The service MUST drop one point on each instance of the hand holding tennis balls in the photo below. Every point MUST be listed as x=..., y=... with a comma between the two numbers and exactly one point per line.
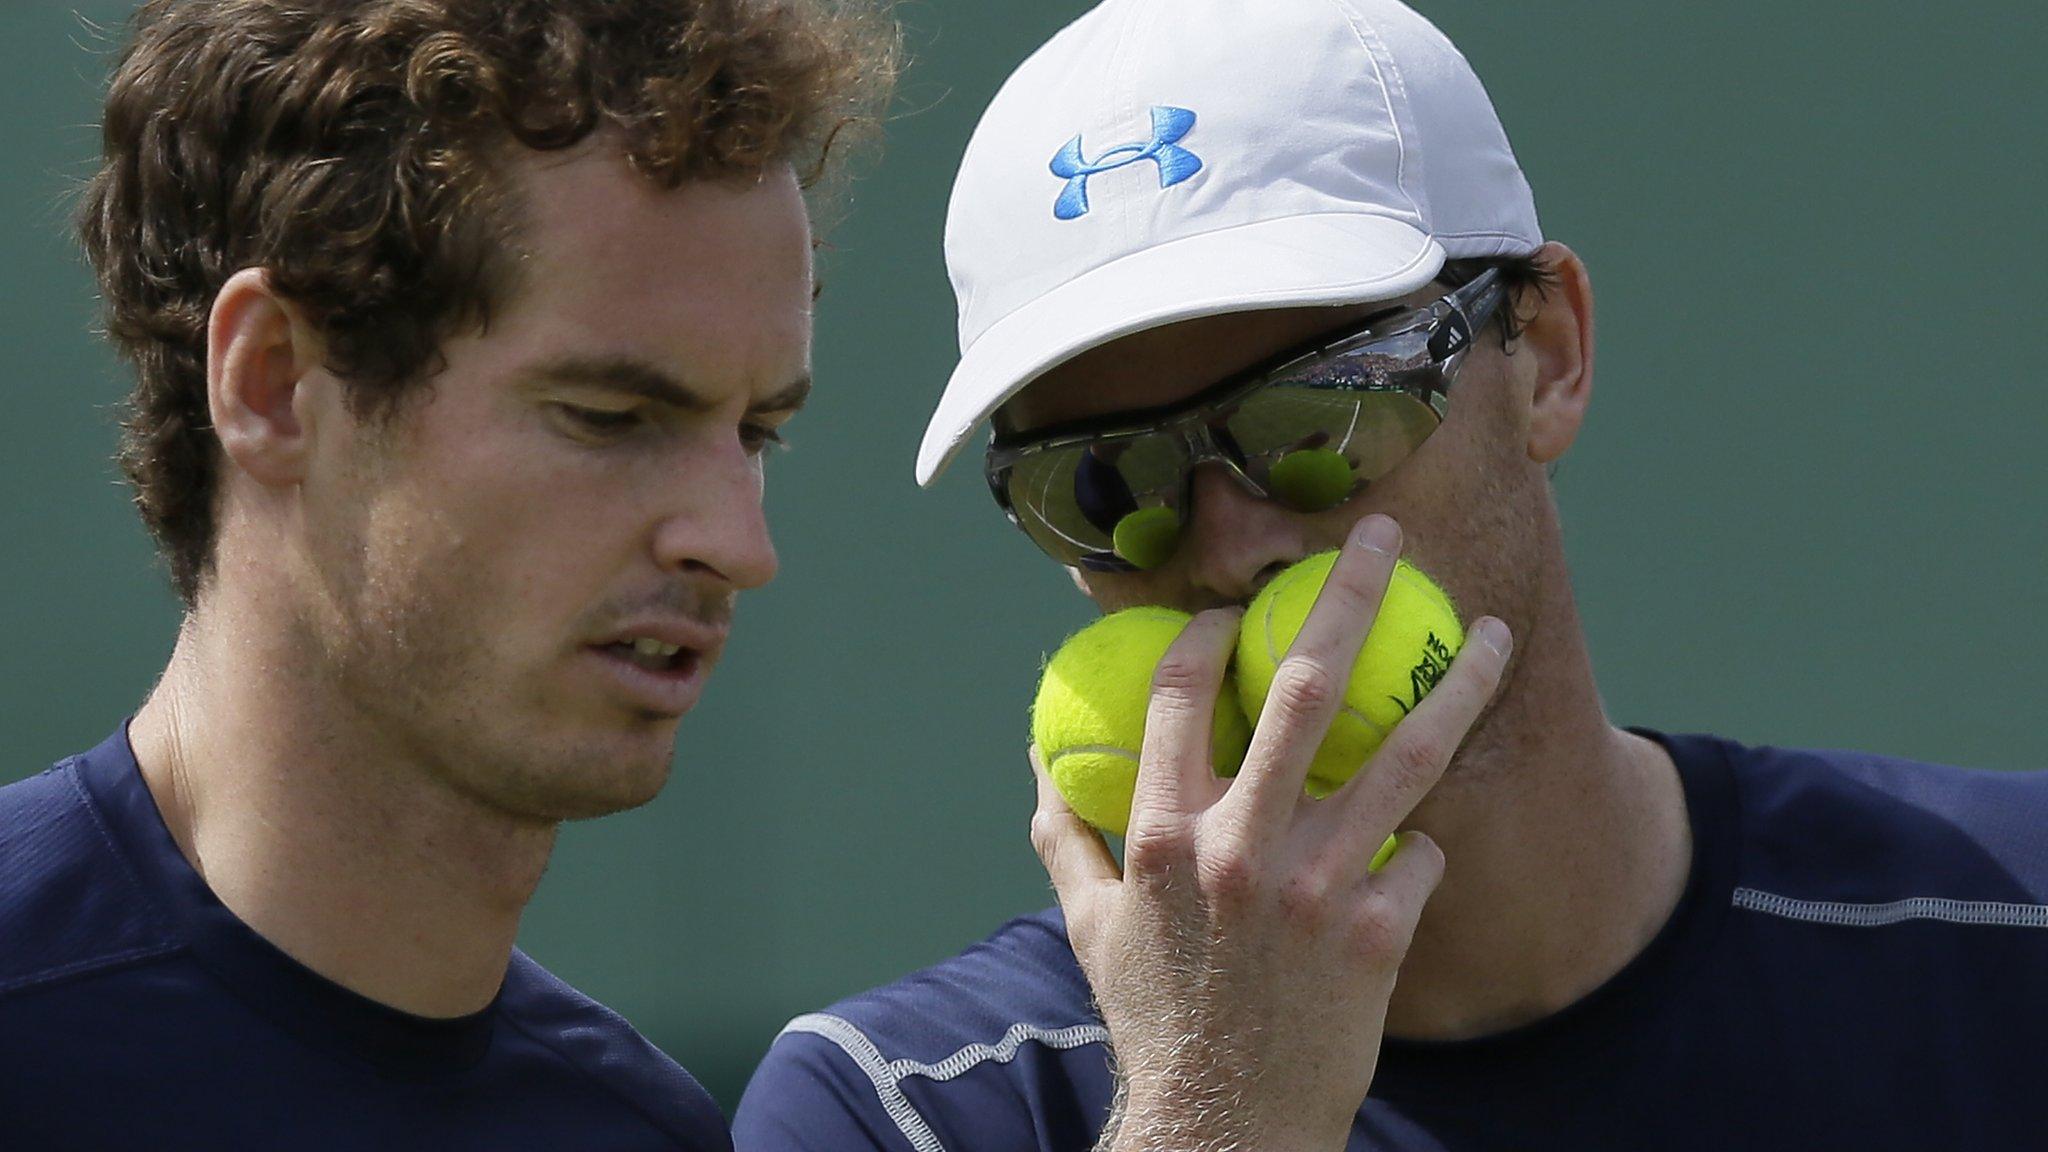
x=1089, y=719
x=1414, y=637
x=1245, y=927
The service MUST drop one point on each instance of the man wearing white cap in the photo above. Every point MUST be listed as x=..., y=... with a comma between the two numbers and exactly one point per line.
x=1190, y=240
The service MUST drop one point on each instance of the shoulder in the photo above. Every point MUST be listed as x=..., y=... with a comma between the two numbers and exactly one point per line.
x=599, y=1044
x=71, y=903
x=1856, y=826
x=1021, y=982
x=1001, y=1040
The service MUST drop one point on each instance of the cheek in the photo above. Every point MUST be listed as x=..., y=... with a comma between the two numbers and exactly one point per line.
x=1113, y=592
x=522, y=540
x=1479, y=507
x=1170, y=586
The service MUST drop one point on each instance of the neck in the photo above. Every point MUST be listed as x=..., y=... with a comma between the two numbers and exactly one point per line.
x=343, y=849
x=1566, y=846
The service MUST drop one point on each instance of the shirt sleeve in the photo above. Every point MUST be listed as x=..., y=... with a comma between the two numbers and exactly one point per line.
x=808, y=1095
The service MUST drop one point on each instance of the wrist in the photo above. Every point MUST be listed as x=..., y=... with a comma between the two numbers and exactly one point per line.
x=1227, y=1117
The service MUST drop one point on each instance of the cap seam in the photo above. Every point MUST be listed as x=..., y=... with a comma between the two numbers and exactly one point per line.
x=1124, y=100
x=1153, y=15
x=1478, y=233
x=1382, y=64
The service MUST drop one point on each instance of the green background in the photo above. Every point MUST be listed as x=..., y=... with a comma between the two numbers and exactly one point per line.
x=1807, y=508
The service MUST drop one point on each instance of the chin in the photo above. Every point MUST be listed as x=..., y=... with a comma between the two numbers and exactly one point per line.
x=633, y=778
x=585, y=778
x=592, y=805
x=620, y=789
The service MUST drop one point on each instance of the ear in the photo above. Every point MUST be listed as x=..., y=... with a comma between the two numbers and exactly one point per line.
x=1560, y=335
x=256, y=359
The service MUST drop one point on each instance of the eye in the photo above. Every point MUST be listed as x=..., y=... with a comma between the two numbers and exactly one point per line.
x=758, y=438
x=597, y=423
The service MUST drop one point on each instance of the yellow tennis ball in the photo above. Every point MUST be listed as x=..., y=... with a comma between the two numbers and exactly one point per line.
x=1089, y=718
x=1409, y=649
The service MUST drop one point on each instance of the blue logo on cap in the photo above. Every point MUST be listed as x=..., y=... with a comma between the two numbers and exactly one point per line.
x=1175, y=163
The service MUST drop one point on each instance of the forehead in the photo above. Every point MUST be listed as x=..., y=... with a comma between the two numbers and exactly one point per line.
x=1164, y=365
x=714, y=272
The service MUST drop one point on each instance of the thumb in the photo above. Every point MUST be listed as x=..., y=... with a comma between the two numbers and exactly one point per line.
x=1074, y=854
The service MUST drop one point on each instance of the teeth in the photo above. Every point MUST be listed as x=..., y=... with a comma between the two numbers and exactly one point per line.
x=648, y=646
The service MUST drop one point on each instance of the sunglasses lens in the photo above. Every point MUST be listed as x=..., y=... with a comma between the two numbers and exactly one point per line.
x=1108, y=505
x=1312, y=448
x=1115, y=504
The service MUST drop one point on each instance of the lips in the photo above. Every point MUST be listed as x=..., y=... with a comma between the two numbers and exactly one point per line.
x=659, y=666
x=655, y=638
x=665, y=691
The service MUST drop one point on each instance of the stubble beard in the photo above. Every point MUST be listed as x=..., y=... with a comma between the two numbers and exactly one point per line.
x=1510, y=530
x=412, y=667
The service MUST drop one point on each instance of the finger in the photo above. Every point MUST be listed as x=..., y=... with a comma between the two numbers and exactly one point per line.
x=1175, y=772
x=1380, y=797
x=1309, y=684
x=1073, y=853
x=1395, y=895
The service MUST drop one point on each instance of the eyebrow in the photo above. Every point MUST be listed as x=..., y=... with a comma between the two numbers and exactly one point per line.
x=639, y=378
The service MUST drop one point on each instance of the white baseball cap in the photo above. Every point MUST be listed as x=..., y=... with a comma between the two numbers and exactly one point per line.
x=1160, y=160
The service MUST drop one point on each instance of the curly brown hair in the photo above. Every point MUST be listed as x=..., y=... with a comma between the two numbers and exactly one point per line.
x=354, y=150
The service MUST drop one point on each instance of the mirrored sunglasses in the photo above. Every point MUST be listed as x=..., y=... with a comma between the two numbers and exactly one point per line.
x=1308, y=429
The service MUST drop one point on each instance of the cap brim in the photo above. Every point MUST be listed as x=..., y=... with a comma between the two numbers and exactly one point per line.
x=1326, y=259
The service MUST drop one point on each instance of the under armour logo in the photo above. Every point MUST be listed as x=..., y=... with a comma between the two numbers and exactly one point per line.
x=1175, y=163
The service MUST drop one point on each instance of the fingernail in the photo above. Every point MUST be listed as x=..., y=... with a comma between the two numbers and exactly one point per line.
x=1494, y=635
x=1377, y=533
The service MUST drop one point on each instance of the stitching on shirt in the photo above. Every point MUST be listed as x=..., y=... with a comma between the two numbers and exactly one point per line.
x=887, y=1076
x=68, y=768
x=73, y=776
x=868, y=1058
x=545, y=1040
x=96, y=966
x=130, y=870
x=1850, y=915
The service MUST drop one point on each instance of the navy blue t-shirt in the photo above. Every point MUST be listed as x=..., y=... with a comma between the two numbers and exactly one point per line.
x=137, y=1012
x=1859, y=961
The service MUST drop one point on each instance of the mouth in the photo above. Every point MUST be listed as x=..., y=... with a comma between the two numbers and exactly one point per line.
x=653, y=655
x=658, y=680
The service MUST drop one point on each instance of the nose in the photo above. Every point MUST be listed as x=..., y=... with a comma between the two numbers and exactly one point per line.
x=1234, y=540
x=716, y=526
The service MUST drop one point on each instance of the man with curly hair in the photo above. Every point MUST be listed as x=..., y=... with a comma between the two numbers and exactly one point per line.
x=460, y=329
